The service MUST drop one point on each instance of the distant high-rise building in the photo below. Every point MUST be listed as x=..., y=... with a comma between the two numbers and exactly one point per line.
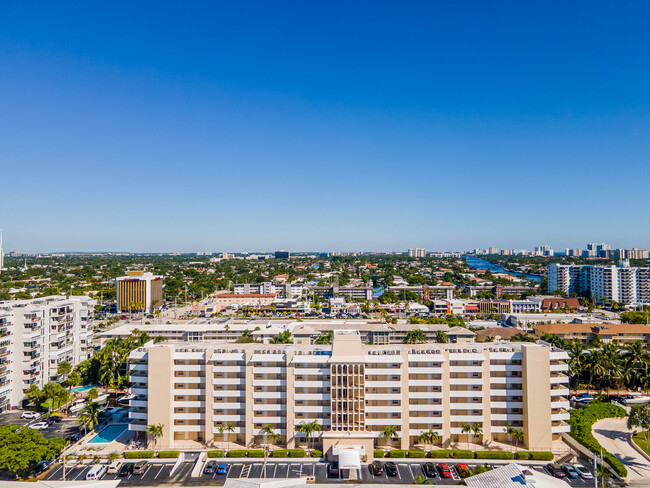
x=544, y=251
x=139, y=292
x=493, y=250
x=573, y=252
x=417, y=252
x=282, y=254
x=2, y=254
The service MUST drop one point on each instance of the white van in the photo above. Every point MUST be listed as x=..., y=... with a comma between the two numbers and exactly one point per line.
x=96, y=472
x=114, y=467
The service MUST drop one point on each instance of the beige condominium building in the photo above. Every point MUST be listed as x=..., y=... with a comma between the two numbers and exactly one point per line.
x=139, y=292
x=352, y=389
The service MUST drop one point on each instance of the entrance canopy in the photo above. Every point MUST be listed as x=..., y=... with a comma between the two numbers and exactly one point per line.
x=349, y=459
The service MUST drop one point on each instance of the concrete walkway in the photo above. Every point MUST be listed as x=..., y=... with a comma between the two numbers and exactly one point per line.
x=613, y=435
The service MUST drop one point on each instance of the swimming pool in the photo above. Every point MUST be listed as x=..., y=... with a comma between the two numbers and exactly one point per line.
x=108, y=434
x=82, y=388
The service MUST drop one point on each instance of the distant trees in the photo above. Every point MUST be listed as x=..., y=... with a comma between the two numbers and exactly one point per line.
x=22, y=449
x=416, y=336
x=639, y=416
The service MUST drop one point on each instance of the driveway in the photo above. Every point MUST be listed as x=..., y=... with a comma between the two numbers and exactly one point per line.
x=613, y=435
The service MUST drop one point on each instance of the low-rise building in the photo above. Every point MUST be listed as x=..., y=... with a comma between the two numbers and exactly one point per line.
x=586, y=333
x=249, y=300
x=351, y=389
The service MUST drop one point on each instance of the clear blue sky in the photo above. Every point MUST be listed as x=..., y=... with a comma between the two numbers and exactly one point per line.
x=224, y=126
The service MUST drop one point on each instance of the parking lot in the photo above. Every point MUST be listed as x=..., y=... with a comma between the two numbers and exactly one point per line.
x=63, y=429
x=158, y=473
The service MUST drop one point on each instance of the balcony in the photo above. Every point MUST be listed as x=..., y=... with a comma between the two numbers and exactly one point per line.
x=313, y=408
x=426, y=394
x=383, y=396
x=228, y=381
x=425, y=382
x=281, y=383
x=269, y=394
x=228, y=418
x=384, y=421
x=269, y=407
x=424, y=407
x=508, y=417
x=383, y=384
x=467, y=381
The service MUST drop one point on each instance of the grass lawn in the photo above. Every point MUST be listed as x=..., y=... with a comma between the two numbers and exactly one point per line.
x=642, y=443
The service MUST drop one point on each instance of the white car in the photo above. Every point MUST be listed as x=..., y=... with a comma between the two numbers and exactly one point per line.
x=39, y=426
x=27, y=414
x=583, y=472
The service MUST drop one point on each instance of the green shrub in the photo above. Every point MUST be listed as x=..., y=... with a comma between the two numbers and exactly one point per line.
x=280, y=453
x=417, y=454
x=315, y=453
x=255, y=453
x=215, y=454
x=378, y=453
x=397, y=453
x=451, y=453
x=296, y=453
x=169, y=454
x=138, y=454
x=535, y=456
x=480, y=469
x=581, y=421
x=494, y=455
x=237, y=453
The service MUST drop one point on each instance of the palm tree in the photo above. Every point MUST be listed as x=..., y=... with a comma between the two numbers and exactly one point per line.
x=416, y=336
x=224, y=430
x=477, y=429
x=52, y=391
x=155, y=431
x=63, y=369
x=73, y=379
x=518, y=434
x=389, y=432
x=308, y=428
x=429, y=437
x=604, y=474
x=89, y=416
x=268, y=431
x=441, y=337
x=467, y=429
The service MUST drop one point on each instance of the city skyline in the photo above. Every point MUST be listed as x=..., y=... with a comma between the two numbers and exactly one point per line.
x=202, y=128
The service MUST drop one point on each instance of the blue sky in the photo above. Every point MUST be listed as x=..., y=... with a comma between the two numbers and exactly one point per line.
x=207, y=126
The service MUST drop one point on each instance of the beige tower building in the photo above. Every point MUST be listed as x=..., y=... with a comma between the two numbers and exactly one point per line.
x=139, y=292
x=353, y=390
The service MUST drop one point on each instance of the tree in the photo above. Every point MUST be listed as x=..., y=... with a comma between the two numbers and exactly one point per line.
x=520, y=337
x=224, y=430
x=308, y=428
x=477, y=429
x=268, y=431
x=604, y=474
x=63, y=369
x=421, y=480
x=639, y=416
x=245, y=337
x=389, y=432
x=282, y=338
x=54, y=391
x=89, y=416
x=429, y=437
x=155, y=431
x=22, y=449
x=416, y=336
x=467, y=429
x=324, y=338
x=73, y=379
x=518, y=434
x=441, y=337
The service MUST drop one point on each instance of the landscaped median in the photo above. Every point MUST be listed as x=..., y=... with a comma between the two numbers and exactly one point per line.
x=259, y=453
x=582, y=421
x=464, y=454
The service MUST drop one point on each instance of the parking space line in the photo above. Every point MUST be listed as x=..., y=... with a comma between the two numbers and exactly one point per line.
x=275, y=468
x=411, y=468
x=159, y=471
x=228, y=472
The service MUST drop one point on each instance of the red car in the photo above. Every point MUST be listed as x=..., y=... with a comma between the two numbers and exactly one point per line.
x=463, y=470
x=445, y=472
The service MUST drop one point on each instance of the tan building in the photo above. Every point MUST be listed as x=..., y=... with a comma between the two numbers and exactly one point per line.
x=587, y=333
x=139, y=292
x=239, y=300
x=353, y=390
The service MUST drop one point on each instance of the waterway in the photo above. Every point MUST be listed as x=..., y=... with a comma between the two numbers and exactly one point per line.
x=477, y=263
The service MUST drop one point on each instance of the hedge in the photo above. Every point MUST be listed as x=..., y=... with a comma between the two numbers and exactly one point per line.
x=583, y=419
x=296, y=453
x=451, y=453
x=315, y=453
x=378, y=453
x=417, y=454
x=215, y=454
x=535, y=456
x=397, y=453
x=494, y=455
x=251, y=453
x=280, y=453
x=169, y=454
x=138, y=454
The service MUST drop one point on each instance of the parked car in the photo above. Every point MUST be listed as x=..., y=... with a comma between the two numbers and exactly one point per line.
x=570, y=471
x=555, y=470
x=73, y=438
x=55, y=418
x=222, y=468
x=463, y=470
x=209, y=467
x=333, y=469
x=376, y=468
x=429, y=470
x=140, y=468
x=444, y=470
x=126, y=469
x=114, y=467
x=40, y=426
x=584, y=473
x=96, y=472
x=28, y=414
x=391, y=468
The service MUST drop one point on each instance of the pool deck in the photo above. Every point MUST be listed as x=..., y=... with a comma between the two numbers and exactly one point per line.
x=105, y=448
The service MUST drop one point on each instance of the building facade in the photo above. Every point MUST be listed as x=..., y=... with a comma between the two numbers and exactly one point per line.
x=35, y=336
x=417, y=252
x=353, y=390
x=139, y=292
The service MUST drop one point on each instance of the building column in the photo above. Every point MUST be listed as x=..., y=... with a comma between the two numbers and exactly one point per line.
x=536, y=386
x=248, y=392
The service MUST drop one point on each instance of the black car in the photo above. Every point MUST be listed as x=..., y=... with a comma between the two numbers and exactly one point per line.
x=429, y=470
x=73, y=438
x=333, y=469
x=555, y=470
x=55, y=418
x=126, y=469
x=376, y=468
x=209, y=467
x=391, y=468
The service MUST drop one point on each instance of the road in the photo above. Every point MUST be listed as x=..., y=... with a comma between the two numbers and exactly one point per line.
x=613, y=435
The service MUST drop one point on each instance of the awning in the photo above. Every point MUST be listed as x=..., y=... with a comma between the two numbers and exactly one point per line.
x=349, y=459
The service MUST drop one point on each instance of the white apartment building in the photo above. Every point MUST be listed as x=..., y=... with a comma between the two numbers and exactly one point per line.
x=620, y=283
x=353, y=390
x=417, y=252
x=35, y=336
x=288, y=290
